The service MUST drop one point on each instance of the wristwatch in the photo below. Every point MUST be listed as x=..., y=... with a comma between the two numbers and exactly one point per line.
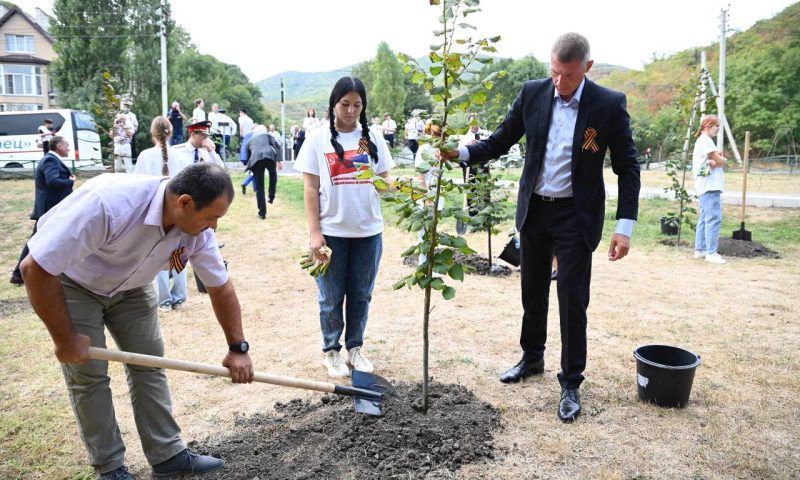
x=240, y=347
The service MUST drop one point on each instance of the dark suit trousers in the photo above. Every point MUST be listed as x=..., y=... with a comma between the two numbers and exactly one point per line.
x=258, y=181
x=552, y=227
x=24, y=251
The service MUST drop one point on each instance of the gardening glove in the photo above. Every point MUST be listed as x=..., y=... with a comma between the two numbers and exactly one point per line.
x=315, y=266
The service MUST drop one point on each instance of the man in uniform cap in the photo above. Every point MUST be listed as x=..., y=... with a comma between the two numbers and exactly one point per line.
x=198, y=147
x=131, y=121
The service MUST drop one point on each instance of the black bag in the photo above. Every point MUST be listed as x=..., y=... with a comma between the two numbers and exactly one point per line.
x=510, y=253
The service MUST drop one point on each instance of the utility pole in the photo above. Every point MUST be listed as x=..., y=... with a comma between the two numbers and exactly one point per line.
x=723, y=34
x=163, y=35
x=283, y=120
x=703, y=84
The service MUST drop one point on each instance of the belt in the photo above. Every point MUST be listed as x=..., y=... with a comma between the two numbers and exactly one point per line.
x=547, y=199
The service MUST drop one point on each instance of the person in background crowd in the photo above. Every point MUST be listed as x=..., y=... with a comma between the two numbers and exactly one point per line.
x=199, y=148
x=709, y=182
x=245, y=123
x=469, y=173
x=262, y=154
x=133, y=124
x=228, y=129
x=344, y=213
x=299, y=138
x=122, y=134
x=311, y=122
x=389, y=126
x=243, y=158
x=176, y=119
x=161, y=161
x=413, y=128
x=53, y=181
x=198, y=114
x=45, y=134
x=119, y=231
x=376, y=127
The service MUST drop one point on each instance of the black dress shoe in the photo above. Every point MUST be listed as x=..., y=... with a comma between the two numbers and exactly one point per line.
x=16, y=279
x=523, y=369
x=570, y=406
x=262, y=216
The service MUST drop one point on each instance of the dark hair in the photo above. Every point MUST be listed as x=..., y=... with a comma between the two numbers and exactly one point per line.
x=198, y=101
x=47, y=120
x=204, y=182
x=56, y=140
x=342, y=87
x=243, y=110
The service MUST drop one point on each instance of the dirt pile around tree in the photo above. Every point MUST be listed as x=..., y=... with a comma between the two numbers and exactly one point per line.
x=478, y=265
x=327, y=439
x=729, y=247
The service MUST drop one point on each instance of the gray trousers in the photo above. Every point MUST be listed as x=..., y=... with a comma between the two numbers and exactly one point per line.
x=132, y=320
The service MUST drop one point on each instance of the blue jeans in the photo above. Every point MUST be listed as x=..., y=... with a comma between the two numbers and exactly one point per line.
x=709, y=222
x=177, y=137
x=248, y=179
x=177, y=294
x=351, y=278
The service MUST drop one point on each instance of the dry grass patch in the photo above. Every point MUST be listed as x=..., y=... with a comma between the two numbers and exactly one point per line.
x=741, y=422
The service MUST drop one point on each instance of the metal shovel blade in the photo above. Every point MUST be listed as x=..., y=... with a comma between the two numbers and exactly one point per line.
x=743, y=234
x=369, y=404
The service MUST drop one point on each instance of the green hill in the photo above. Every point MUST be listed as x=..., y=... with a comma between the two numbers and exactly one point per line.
x=762, y=82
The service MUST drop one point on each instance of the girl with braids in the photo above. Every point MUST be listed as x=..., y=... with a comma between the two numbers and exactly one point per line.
x=162, y=160
x=344, y=213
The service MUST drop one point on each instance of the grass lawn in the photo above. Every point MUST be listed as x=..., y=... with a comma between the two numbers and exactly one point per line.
x=742, y=318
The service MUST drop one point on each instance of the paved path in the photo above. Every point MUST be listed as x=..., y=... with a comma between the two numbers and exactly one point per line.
x=767, y=200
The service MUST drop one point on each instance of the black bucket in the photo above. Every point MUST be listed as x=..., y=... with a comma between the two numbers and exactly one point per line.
x=664, y=374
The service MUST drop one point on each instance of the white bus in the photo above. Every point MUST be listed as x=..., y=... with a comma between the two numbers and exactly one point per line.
x=19, y=132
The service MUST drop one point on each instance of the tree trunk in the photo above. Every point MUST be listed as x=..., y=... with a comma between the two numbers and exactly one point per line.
x=489, y=239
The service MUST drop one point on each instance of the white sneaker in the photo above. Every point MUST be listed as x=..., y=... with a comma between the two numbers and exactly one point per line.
x=699, y=254
x=356, y=360
x=715, y=259
x=334, y=362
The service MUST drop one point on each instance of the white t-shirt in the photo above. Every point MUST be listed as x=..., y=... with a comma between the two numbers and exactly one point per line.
x=348, y=207
x=47, y=134
x=150, y=161
x=310, y=124
x=413, y=129
x=245, y=125
x=389, y=126
x=715, y=179
x=198, y=115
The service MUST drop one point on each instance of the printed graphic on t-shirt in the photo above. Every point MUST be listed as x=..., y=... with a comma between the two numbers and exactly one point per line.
x=346, y=172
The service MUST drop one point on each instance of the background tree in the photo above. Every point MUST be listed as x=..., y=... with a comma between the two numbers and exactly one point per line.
x=388, y=84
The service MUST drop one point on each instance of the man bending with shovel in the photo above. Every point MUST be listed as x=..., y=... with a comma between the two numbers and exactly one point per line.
x=91, y=266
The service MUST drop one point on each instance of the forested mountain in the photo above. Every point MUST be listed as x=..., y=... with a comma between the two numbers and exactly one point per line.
x=762, y=85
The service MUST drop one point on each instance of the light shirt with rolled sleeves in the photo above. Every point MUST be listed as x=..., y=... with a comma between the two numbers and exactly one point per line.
x=555, y=179
x=108, y=237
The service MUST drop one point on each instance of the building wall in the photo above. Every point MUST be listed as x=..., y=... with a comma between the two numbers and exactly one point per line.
x=43, y=50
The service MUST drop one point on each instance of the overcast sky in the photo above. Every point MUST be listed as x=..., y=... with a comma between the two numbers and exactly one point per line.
x=265, y=38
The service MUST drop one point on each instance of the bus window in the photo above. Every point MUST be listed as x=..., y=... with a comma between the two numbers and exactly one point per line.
x=27, y=124
x=84, y=121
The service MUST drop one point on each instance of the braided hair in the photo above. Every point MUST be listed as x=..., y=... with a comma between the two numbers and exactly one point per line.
x=161, y=130
x=342, y=87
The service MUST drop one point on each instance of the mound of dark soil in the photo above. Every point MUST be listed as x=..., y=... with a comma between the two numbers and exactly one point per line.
x=327, y=439
x=729, y=247
x=477, y=265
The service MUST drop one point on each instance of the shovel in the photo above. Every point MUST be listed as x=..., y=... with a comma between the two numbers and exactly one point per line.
x=368, y=390
x=743, y=234
x=461, y=225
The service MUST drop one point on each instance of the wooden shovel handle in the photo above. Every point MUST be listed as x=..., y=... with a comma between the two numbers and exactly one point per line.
x=195, y=367
x=746, y=168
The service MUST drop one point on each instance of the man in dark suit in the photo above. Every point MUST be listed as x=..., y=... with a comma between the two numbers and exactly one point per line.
x=53, y=182
x=569, y=123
